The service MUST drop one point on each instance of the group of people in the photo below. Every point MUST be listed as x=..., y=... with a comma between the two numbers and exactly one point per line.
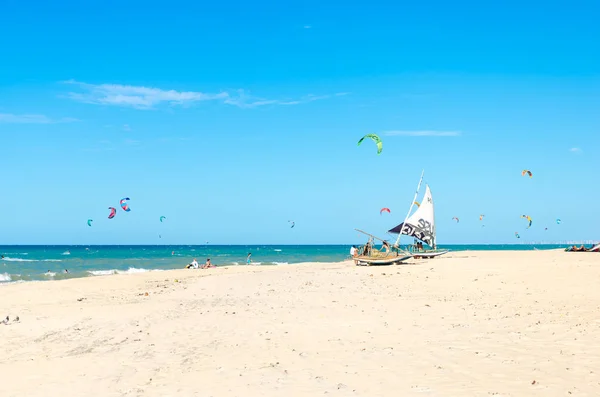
x=418, y=246
x=385, y=246
x=582, y=248
x=195, y=265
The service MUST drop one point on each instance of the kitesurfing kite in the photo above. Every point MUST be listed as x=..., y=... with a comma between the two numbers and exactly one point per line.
x=375, y=139
x=113, y=212
x=293, y=224
x=124, y=204
x=558, y=221
x=455, y=218
x=526, y=172
x=481, y=217
x=163, y=218
x=517, y=235
x=528, y=219
x=384, y=209
x=89, y=222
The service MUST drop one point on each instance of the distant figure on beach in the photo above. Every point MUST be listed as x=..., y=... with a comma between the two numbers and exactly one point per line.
x=207, y=264
x=172, y=252
x=2, y=257
x=353, y=251
x=66, y=271
x=193, y=265
x=248, y=258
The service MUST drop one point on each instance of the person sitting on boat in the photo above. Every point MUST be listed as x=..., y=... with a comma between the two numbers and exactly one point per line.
x=385, y=246
x=367, y=249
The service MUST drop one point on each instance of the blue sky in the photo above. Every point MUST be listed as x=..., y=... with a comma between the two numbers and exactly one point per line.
x=231, y=119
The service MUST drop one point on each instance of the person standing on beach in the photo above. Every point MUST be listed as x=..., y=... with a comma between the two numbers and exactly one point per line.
x=353, y=251
x=248, y=259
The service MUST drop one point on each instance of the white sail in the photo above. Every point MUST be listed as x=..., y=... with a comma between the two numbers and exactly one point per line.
x=421, y=224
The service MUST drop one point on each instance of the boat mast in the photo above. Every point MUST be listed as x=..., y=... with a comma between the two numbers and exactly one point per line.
x=411, y=207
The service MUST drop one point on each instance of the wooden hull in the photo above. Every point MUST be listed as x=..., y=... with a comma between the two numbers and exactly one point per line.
x=429, y=254
x=371, y=261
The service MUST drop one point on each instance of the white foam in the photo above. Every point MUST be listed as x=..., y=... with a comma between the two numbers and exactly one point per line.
x=277, y=250
x=102, y=272
x=17, y=260
x=5, y=277
x=280, y=263
x=29, y=260
x=50, y=274
x=131, y=270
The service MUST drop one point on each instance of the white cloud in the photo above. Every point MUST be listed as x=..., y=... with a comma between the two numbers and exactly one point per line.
x=132, y=142
x=31, y=119
x=307, y=26
x=575, y=150
x=245, y=100
x=422, y=133
x=138, y=97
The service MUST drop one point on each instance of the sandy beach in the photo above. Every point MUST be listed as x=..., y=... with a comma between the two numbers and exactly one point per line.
x=467, y=324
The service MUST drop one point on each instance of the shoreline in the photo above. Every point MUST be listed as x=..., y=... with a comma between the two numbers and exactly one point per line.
x=9, y=278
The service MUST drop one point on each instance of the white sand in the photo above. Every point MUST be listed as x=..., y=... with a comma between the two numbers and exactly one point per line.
x=468, y=324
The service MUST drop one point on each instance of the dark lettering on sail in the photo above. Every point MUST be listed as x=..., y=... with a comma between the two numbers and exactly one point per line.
x=422, y=231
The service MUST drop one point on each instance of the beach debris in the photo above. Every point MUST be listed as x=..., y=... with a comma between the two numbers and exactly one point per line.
x=17, y=319
x=384, y=209
x=113, y=212
x=80, y=299
x=6, y=320
x=124, y=205
x=534, y=382
x=375, y=139
x=526, y=172
x=89, y=222
x=146, y=294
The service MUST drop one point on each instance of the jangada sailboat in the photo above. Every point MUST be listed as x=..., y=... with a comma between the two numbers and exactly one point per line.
x=421, y=226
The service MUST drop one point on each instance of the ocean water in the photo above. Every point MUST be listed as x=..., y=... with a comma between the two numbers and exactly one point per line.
x=31, y=263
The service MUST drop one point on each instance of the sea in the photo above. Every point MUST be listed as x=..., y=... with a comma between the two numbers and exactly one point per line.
x=22, y=263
